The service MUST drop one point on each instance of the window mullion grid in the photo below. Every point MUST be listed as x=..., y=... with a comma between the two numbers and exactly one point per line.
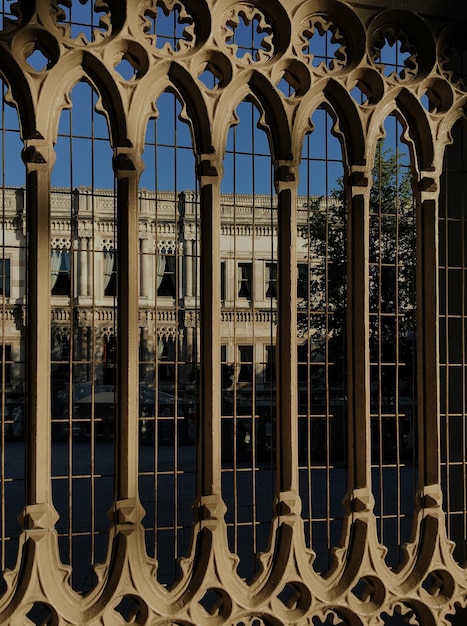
x=157, y=338
x=3, y=404
x=252, y=341
x=177, y=312
x=92, y=98
x=308, y=378
x=380, y=355
x=327, y=313
x=3, y=426
x=464, y=444
x=70, y=387
x=236, y=358
x=396, y=365
x=445, y=409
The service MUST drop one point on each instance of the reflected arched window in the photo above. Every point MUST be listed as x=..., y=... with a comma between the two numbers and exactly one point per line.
x=321, y=341
x=249, y=252
x=393, y=332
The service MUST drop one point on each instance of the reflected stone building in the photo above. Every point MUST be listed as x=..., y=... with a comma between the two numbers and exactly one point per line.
x=84, y=293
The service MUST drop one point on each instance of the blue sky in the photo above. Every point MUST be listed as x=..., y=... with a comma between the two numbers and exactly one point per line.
x=84, y=156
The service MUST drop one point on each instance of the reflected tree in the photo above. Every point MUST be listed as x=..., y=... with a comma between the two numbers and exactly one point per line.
x=323, y=288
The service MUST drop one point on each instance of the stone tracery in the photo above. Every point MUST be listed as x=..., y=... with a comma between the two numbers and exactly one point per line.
x=385, y=592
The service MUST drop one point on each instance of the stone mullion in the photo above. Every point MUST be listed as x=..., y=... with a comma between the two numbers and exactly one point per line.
x=287, y=386
x=210, y=529
x=39, y=576
x=427, y=348
x=358, y=331
x=127, y=545
x=210, y=344
x=290, y=553
x=127, y=332
x=38, y=478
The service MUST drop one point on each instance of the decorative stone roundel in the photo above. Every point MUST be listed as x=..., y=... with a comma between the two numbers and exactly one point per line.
x=323, y=44
x=248, y=35
x=171, y=27
x=97, y=19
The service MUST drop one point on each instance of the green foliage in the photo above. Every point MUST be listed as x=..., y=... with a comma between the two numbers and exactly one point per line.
x=322, y=307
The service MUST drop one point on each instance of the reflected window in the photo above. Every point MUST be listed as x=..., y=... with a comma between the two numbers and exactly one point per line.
x=5, y=278
x=270, y=369
x=166, y=354
x=110, y=360
x=110, y=273
x=245, y=283
x=245, y=355
x=60, y=272
x=222, y=280
x=271, y=280
x=166, y=275
x=302, y=281
x=5, y=370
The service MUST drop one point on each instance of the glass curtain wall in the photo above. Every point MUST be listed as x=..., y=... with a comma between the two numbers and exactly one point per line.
x=393, y=337
x=13, y=320
x=453, y=338
x=248, y=330
x=83, y=334
x=321, y=341
x=169, y=328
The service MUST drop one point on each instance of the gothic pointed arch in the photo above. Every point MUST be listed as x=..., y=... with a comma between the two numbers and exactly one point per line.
x=418, y=128
x=343, y=111
x=275, y=115
x=20, y=93
x=349, y=121
x=65, y=75
x=197, y=111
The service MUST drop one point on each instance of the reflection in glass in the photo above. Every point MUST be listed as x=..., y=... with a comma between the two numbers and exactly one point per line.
x=83, y=337
x=393, y=341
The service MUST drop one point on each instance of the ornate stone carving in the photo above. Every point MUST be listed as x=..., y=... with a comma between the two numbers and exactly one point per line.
x=360, y=88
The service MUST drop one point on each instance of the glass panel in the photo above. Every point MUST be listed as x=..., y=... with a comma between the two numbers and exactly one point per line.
x=13, y=322
x=169, y=337
x=393, y=341
x=452, y=337
x=321, y=341
x=82, y=18
x=83, y=350
x=248, y=250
